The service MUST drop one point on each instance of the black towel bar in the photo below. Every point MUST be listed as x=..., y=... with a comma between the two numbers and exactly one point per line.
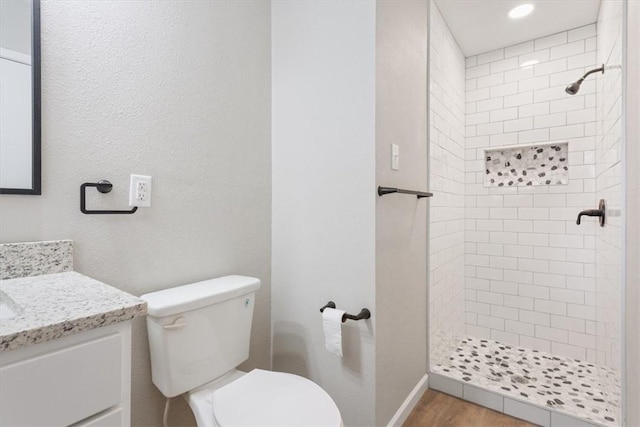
x=388, y=190
x=364, y=313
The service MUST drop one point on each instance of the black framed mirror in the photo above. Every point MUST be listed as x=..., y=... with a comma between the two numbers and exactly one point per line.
x=20, y=124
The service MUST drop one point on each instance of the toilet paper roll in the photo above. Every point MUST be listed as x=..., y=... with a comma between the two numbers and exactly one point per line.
x=332, y=324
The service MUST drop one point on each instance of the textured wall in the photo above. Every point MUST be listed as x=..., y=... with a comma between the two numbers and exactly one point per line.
x=447, y=181
x=323, y=136
x=401, y=221
x=530, y=268
x=177, y=90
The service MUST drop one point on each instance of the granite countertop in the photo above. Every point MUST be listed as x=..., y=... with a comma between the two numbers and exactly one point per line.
x=52, y=306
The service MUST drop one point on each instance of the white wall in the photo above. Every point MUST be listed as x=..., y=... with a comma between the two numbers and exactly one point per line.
x=530, y=268
x=176, y=90
x=323, y=57
x=632, y=225
x=447, y=181
x=349, y=79
x=401, y=220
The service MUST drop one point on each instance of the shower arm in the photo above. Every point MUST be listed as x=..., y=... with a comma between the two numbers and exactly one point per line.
x=595, y=70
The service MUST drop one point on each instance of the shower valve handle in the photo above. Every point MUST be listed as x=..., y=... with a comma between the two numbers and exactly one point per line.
x=600, y=212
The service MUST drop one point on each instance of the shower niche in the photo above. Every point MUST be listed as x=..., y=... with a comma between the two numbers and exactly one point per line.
x=516, y=166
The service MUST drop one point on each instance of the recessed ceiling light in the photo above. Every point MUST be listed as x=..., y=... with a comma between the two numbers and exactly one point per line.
x=520, y=11
x=528, y=64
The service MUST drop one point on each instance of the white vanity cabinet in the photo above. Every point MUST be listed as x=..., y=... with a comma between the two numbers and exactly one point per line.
x=65, y=341
x=81, y=380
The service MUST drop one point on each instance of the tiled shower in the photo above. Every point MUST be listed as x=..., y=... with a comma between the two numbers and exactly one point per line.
x=518, y=290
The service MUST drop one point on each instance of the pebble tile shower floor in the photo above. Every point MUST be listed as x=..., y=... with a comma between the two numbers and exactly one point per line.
x=567, y=385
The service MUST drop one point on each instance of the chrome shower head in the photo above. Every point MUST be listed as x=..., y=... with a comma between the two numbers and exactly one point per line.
x=574, y=87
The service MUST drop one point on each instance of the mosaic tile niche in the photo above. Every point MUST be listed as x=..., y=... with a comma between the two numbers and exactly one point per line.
x=527, y=165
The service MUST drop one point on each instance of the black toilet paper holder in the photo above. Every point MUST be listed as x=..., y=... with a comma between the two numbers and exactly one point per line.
x=364, y=313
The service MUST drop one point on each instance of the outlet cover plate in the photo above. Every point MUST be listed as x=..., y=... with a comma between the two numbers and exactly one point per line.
x=140, y=191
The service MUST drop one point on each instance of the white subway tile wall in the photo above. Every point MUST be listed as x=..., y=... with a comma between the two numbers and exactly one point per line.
x=609, y=173
x=530, y=267
x=510, y=264
x=447, y=181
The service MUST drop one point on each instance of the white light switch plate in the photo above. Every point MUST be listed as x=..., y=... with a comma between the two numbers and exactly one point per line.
x=395, y=157
x=140, y=191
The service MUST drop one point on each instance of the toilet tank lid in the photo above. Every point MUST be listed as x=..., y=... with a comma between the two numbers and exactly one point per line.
x=197, y=295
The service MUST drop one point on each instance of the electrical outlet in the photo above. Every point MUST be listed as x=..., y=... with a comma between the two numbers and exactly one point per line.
x=140, y=191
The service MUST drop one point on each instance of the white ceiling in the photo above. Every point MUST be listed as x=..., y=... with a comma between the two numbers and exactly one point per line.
x=483, y=25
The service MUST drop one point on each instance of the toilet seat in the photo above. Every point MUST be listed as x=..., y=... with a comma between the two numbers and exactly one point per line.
x=265, y=398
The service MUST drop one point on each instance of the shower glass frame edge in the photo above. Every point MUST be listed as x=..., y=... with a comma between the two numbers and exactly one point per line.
x=428, y=199
x=623, y=231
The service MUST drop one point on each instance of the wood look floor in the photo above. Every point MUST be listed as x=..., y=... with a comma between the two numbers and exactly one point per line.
x=441, y=410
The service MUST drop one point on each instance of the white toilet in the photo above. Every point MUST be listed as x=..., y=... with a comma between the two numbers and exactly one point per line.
x=199, y=334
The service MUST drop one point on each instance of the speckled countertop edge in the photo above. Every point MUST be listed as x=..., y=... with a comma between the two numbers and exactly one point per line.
x=52, y=306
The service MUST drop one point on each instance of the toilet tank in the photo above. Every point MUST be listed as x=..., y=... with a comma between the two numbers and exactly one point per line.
x=199, y=332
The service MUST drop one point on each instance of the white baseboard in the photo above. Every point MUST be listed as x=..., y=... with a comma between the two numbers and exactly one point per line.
x=409, y=403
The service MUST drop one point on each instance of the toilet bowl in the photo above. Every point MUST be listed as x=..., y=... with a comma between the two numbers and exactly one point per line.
x=264, y=398
x=199, y=334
